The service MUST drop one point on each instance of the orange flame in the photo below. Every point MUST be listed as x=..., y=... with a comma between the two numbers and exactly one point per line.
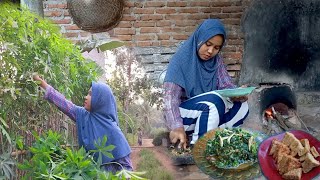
x=268, y=113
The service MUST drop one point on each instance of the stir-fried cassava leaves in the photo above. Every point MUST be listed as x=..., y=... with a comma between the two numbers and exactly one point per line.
x=231, y=147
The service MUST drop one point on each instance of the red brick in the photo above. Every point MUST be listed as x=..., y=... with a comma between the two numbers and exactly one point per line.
x=220, y=4
x=71, y=27
x=128, y=18
x=184, y=23
x=175, y=17
x=127, y=10
x=168, y=43
x=149, y=30
x=228, y=61
x=197, y=16
x=151, y=17
x=144, y=43
x=200, y=3
x=52, y=13
x=163, y=23
x=233, y=55
x=191, y=28
x=62, y=21
x=143, y=11
x=165, y=11
x=219, y=16
x=129, y=4
x=129, y=43
x=125, y=31
x=235, y=15
x=59, y=6
x=176, y=4
x=156, y=43
x=233, y=35
x=154, y=4
x=235, y=42
x=233, y=9
x=138, y=4
x=180, y=36
x=173, y=29
x=124, y=24
x=189, y=10
x=235, y=67
x=138, y=24
x=210, y=10
x=230, y=49
x=69, y=34
x=144, y=37
x=124, y=37
x=163, y=36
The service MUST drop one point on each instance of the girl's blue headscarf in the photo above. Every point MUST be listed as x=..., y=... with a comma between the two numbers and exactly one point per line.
x=101, y=121
x=186, y=68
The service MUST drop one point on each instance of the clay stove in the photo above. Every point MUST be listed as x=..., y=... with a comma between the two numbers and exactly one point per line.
x=282, y=57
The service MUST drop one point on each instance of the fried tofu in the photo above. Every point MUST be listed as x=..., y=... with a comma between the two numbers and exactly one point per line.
x=278, y=148
x=287, y=139
x=287, y=163
x=309, y=163
x=274, y=146
x=306, y=146
x=294, y=174
x=314, y=152
x=293, y=156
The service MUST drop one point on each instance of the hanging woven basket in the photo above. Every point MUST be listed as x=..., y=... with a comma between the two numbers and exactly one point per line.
x=96, y=15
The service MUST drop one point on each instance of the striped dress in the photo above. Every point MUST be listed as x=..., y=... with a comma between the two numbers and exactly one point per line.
x=203, y=112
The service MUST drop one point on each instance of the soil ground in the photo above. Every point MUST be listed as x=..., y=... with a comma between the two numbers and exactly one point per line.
x=188, y=172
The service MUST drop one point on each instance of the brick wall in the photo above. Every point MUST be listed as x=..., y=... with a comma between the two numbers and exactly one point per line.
x=155, y=28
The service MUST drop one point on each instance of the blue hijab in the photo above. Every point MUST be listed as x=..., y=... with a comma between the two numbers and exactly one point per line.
x=187, y=70
x=100, y=121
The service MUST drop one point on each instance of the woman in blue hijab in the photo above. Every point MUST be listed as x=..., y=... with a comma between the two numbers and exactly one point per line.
x=191, y=105
x=96, y=119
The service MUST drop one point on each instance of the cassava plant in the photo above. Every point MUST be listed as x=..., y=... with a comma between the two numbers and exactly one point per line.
x=51, y=160
x=30, y=44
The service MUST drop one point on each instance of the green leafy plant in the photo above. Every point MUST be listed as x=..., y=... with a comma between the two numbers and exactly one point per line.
x=6, y=166
x=50, y=160
x=30, y=44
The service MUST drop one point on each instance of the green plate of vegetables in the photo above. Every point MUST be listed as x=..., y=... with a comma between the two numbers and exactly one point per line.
x=229, y=153
x=236, y=92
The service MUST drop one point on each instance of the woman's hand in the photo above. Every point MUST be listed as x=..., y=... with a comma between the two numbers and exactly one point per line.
x=239, y=99
x=43, y=83
x=179, y=134
x=36, y=77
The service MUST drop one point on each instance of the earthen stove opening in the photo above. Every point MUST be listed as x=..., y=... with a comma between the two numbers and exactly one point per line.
x=281, y=57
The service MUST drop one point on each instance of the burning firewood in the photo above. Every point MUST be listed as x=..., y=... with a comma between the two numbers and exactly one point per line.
x=280, y=120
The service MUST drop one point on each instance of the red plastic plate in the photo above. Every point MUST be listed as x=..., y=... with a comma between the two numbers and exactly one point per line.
x=267, y=163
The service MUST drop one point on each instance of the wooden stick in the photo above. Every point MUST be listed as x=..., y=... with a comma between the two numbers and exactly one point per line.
x=296, y=114
x=279, y=119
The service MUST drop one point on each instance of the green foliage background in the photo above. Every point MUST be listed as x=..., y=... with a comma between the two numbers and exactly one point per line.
x=31, y=44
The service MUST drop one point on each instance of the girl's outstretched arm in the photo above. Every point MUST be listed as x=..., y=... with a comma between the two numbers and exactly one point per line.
x=55, y=97
x=43, y=83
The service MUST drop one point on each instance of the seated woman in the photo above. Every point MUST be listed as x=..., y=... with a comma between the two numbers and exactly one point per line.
x=196, y=70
